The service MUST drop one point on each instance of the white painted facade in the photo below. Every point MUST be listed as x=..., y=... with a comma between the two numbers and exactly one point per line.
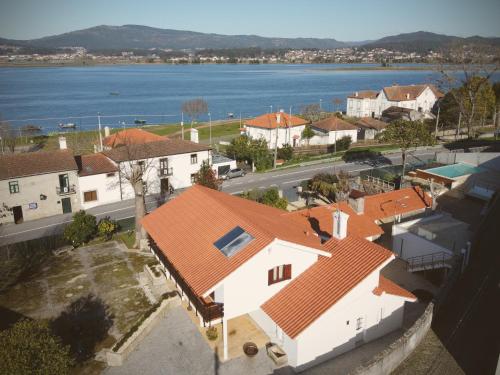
x=106, y=186
x=329, y=138
x=291, y=136
x=361, y=107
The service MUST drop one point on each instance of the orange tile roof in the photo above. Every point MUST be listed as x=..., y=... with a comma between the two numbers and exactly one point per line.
x=131, y=136
x=387, y=286
x=320, y=220
x=385, y=205
x=334, y=123
x=411, y=92
x=186, y=227
x=269, y=121
x=368, y=94
x=322, y=285
x=371, y=123
x=93, y=164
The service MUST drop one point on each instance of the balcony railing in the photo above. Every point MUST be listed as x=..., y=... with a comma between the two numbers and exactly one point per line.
x=66, y=190
x=165, y=172
x=208, y=309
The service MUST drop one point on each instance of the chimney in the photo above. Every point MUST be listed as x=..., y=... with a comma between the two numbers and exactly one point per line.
x=340, y=224
x=357, y=201
x=106, y=131
x=356, y=94
x=194, y=135
x=62, y=143
x=407, y=96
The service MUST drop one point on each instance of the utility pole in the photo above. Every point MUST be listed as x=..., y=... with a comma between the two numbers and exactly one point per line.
x=271, y=108
x=182, y=125
x=437, y=122
x=458, y=125
x=210, y=126
x=100, y=135
x=278, y=122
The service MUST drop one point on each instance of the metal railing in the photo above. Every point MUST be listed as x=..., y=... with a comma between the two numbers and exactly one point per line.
x=386, y=185
x=428, y=261
x=65, y=190
x=164, y=172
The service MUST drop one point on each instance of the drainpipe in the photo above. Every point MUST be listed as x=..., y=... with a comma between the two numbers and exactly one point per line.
x=224, y=335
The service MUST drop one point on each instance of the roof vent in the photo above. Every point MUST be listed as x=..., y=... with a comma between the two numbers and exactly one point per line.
x=62, y=143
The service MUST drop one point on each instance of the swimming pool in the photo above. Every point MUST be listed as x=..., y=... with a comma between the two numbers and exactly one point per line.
x=454, y=170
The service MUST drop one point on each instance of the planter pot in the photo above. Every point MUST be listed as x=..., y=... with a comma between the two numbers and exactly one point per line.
x=250, y=349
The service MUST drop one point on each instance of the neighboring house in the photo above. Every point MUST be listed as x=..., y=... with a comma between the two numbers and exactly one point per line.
x=330, y=130
x=279, y=126
x=315, y=297
x=222, y=164
x=369, y=127
x=420, y=98
x=167, y=163
x=394, y=113
x=128, y=137
x=98, y=180
x=34, y=185
x=362, y=104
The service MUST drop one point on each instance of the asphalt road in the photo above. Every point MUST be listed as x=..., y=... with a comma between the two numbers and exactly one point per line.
x=282, y=179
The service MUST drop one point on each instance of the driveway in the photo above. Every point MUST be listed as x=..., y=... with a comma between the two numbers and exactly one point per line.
x=176, y=347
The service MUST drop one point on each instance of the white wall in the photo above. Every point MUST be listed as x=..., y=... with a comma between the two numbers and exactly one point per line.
x=330, y=137
x=246, y=289
x=285, y=135
x=108, y=189
x=215, y=167
x=358, y=107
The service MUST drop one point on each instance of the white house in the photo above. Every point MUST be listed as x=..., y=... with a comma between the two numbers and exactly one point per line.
x=222, y=164
x=315, y=299
x=277, y=127
x=329, y=130
x=420, y=98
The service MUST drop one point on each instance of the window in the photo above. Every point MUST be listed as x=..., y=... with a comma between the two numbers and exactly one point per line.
x=233, y=241
x=359, y=324
x=112, y=174
x=193, y=178
x=90, y=196
x=280, y=273
x=14, y=187
x=194, y=158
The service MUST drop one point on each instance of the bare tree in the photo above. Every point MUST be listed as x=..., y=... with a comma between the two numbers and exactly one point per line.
x=311, y=112
x=336, y=103
x=194, y=108
x=8, y=135
x=467, y=85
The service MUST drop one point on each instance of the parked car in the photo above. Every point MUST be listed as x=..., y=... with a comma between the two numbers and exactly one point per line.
x=237, y=172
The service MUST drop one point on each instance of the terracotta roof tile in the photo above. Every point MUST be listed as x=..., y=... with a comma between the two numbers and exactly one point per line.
x=269, y=121
x=387, y=286
x=322, y=285
x=411, y=92
x=368, y=94
x=371, y=123
x=385, y=205
x=93, y=164
x=154, y=149
x=35, y=163
x=186, y=228
x=333, y=123
x=131, y=136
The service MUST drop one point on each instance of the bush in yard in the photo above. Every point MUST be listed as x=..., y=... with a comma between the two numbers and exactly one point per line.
x=212, y=333
x=81, y=230
x=344, y=143
x=107, y=228
x=272, y=198
x=285, y=152
x=30, y=348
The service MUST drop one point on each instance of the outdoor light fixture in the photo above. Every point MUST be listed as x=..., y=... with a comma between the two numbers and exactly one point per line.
x=43, y=197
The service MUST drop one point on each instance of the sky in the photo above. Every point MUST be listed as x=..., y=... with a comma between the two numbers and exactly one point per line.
x=343, y=20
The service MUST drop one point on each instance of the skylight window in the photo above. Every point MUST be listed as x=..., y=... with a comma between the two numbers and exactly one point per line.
x=233, y=241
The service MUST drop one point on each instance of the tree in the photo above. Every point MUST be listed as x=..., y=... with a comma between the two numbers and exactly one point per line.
x=8, y=135
x=285, y=152
x=324, y=186
x=194, y=108
x=311, y=112
x=272, y=198
x=81, y=230
x=307, y=133
x=337, y=102
x=82, y=325
x=343, y=143
x=254, y=151
x=30, y=348
x=206, y=177
x=406, y=135
x=107, y=227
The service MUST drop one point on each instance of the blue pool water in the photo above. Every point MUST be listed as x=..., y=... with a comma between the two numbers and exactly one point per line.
x=454, y=170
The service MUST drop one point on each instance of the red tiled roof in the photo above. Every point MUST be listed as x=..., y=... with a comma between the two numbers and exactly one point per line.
x=387, y=286
x=186, y=227
x=131, y=136
x=411, y=92
x=368, y=94
x=93, y=164
x=35, y=163
x=396, y=202
x=334, y=123
x=322, y=285
x=320, y=220
x=269, y=121
x=371, y=123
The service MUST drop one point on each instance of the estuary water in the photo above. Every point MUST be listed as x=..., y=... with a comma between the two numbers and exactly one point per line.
x=47, y=96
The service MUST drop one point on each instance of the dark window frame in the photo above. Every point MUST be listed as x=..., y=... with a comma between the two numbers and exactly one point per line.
x=194, y=158
x=14, y=187
x=93, y=196
x=273, y=275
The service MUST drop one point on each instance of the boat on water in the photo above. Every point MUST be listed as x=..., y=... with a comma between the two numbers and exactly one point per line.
x=114, y=93
x=68, y=125
x=230, y=115
x=140, y=122
x=31, y=128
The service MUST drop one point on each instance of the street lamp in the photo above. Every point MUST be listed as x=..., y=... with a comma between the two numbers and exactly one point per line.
x=320, y=101
x=271, y=108
x=210, y=126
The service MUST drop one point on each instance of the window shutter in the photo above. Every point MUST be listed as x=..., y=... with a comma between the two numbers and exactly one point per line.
x=287, y=272
x=270, y=278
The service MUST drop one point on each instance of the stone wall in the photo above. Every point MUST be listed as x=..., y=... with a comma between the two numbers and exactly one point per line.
x=390, y=358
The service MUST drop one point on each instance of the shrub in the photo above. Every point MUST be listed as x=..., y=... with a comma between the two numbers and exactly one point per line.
x=107, y=228
x=344, y=143
x=354, y=155
x=272, y=198
x=212, y=333
x=285, y=152
x=81, y=230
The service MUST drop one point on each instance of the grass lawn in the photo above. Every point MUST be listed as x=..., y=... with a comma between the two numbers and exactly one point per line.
x=128, y=238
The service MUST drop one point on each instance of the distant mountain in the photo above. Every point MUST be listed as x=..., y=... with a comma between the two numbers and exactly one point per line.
x=144, y=37
x=423, y=41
